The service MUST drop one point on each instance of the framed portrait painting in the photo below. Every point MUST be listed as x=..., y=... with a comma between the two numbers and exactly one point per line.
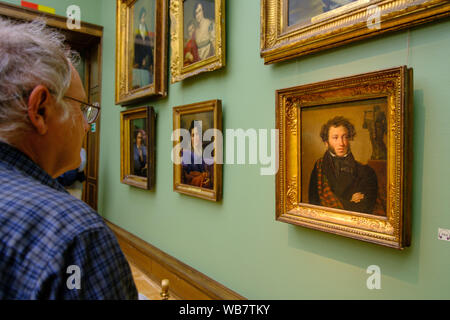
x=292, y=28
x=141, y=50
x=197, y=152
x=137, y=147
x=197, y=37
x=345, y=156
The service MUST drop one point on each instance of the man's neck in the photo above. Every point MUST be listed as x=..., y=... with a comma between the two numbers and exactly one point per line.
x=38, y=154
x=336, y=156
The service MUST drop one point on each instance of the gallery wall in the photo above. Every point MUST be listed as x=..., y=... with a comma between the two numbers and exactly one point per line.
x=237, y=241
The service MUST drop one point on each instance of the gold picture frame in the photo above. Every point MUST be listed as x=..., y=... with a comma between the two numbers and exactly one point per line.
x=199, y=176
x=141, y=50
x=290, y=29
x=305, y=193
x=137, y=147
x=204, y=49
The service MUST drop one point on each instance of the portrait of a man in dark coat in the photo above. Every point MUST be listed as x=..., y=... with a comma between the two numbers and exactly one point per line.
x=338, y=180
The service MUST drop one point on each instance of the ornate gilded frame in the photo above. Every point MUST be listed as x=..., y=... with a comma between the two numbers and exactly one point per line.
x=355, y=21
x=178, y=70
x=214, y=194
x=126, y=176
x=395, y=85
x=124, y=93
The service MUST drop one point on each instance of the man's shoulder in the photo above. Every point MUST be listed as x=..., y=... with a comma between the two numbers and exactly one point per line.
x=318, y=162
x=35, y=210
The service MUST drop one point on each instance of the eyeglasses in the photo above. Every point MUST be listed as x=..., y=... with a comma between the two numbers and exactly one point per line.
x=90, y=111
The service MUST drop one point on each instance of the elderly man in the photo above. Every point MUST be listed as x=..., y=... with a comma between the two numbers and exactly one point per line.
x=338, y=180
x=52, y=245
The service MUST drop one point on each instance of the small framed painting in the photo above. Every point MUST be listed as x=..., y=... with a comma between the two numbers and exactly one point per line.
x=197, y=37
x=137, y=147
x=141, y=50
x=197, y=152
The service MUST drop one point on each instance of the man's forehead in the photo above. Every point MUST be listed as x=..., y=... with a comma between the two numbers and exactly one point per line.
x=76, y=86
x=339, y=128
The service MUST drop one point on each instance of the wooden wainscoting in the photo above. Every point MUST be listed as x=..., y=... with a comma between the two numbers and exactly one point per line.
x=185, y=282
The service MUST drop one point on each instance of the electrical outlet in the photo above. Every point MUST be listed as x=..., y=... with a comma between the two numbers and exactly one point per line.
x=444, y=234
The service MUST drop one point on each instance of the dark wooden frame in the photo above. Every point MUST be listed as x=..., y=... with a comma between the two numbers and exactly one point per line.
x=124, y=94
x=395, y=85
x=125, y=146
x=207, y=106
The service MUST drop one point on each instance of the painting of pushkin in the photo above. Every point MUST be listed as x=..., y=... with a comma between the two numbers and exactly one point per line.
x=338, y=180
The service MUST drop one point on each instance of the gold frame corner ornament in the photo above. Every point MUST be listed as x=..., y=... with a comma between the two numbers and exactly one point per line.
x=354, y=21
x=392, y=230
x=180, y=72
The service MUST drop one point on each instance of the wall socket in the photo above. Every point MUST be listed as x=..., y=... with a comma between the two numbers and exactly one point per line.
x=444, y=234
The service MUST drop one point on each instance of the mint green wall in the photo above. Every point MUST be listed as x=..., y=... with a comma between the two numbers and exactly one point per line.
x=237, y=241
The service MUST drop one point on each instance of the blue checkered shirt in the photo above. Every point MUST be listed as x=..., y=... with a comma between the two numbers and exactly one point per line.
x=52, y=245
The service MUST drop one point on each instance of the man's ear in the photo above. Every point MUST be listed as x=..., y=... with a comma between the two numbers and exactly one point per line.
x=38, y=108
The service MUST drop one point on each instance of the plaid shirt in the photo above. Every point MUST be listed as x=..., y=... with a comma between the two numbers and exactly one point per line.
x=52, y=245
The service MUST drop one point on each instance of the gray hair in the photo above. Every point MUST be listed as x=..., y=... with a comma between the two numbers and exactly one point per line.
x=30, y=54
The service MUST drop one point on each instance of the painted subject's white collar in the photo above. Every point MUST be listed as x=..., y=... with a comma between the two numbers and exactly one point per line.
x=334, y=156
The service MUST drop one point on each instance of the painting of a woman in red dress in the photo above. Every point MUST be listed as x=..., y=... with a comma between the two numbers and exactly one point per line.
x=190, y=49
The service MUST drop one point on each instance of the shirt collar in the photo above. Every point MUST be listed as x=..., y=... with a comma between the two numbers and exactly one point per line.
x=16, y=159
x=335, y=156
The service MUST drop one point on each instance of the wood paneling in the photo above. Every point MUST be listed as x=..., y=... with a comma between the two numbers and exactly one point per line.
x=91, y=195
x=93, y=136
x=185, y=282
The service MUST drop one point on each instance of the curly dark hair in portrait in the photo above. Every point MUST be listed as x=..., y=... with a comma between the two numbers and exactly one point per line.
x=337, y=122
x=198, y=3
x=205, y=14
